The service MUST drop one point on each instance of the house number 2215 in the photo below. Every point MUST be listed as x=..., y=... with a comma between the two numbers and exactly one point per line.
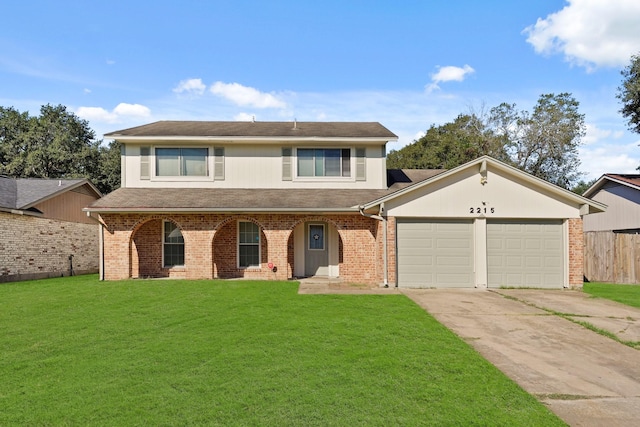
x=481, y=210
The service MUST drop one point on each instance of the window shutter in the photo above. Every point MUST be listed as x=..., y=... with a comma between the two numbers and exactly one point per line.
x=218, y=163
x=145, y=172
x=361, y=163
x=286, y=164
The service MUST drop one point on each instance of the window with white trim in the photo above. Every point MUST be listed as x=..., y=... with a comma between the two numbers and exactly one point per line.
x=181, y=161
x=322, y=162
x=172, y=245
x=248, y=244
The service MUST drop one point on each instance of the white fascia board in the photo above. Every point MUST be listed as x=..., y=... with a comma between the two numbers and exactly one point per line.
x=317, y=211
x=604, y=178
x=250, y=139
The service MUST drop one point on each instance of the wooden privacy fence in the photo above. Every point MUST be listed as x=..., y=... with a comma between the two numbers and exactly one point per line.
x=611, y=257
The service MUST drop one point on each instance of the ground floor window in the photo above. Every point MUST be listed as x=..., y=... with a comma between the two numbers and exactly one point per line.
x=173, y=245
x=248, y=244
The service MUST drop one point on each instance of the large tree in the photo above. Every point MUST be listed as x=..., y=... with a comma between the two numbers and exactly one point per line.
x=449, y=145
x=55, y=144
x=629, y=93
x=544, y=142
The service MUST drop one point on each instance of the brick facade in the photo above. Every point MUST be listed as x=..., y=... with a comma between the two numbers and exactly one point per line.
x=34, y=248
x=133, y=247
x=576, y=253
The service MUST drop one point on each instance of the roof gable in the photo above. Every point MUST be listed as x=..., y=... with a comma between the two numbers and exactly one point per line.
x=24, y=193
x=628, y=180
x=479, y=167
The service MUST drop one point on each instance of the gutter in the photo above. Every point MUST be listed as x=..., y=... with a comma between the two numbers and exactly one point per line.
x=385, y=263
x=222, y=210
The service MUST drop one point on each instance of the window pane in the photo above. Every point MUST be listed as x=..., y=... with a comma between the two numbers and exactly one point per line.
x=316, y=237
x=305, y=162
x=248, y=256
x=319, y=163
x=172, y=233
x=173, y=254
x=194, y=161
x=346, y=162
x=332, y=162
x=167, y=161
x=249, y=233
x=173, y=246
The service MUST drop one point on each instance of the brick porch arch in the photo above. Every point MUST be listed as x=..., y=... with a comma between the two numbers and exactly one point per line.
x=146, y=248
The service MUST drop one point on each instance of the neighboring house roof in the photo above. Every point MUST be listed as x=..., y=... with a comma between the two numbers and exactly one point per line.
x=247, y=130
x=629, y=180
x=252, y=200
x=481, y=163
x=23, y=193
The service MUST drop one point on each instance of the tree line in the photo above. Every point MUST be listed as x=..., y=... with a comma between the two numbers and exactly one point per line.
x=56, y=144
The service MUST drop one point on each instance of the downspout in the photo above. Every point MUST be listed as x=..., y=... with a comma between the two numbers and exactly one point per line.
x=379, y=217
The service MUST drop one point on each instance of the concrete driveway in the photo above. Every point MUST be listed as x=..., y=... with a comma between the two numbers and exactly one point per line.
x=585, y=378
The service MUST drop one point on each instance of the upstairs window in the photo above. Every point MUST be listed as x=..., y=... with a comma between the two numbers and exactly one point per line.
x=181, y=161
x=324, y=162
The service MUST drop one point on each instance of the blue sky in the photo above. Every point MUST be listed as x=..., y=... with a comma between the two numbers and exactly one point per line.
x=405, y=64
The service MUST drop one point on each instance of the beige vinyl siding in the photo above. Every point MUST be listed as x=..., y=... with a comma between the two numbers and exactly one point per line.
x=258, y=165
x=623, y=210
x=68, y=206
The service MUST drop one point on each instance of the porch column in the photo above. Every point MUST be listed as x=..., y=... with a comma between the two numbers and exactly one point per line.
x=117, y=254
x=198, y=255
x=277, y=253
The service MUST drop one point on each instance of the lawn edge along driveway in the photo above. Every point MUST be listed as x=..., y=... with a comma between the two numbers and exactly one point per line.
x=584, y=377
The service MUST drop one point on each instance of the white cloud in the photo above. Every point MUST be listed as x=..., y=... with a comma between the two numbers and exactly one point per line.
x=246, y=96
x=590, y=33
x=595, y=134
x=120, y=113
x=190, y=86
x=244, y=117
x=448, y=74
x=609, y=158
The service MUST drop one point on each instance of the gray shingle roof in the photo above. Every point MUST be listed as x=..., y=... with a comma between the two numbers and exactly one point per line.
x=257, y=129
x=257, y=199
x=8, y=193
x=22, y=193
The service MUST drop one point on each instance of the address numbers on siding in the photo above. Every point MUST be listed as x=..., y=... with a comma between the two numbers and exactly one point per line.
x=481, y=210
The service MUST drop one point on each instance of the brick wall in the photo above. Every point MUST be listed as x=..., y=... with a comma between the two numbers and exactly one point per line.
x=33, y=248
x=133, y=246
x=576, y=253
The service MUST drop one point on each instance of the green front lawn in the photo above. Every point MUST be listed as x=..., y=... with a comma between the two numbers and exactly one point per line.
x=626, y=294
x=76, y=351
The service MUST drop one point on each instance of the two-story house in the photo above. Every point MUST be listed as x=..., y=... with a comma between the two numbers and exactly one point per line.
x=279, y=200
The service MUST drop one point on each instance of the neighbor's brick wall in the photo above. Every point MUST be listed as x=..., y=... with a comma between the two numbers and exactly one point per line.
x=576, y=253
x=32, y=247
x=210, y=246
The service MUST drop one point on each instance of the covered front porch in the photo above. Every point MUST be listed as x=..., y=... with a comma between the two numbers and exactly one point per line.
x=257, y=246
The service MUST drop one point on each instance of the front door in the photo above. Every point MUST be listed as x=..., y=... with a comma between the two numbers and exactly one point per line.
x=316, y=259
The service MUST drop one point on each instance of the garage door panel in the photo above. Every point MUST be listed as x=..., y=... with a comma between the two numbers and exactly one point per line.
x=435, y=253
x=531, y=253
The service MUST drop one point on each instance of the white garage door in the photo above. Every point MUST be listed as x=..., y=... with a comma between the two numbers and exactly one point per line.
x=525, y=253
x=435, y=254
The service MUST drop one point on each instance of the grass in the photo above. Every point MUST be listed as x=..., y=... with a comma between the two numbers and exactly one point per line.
x=76, y=351
x=625, y=294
